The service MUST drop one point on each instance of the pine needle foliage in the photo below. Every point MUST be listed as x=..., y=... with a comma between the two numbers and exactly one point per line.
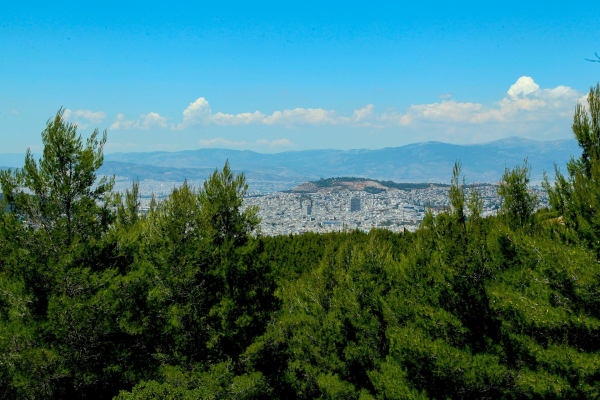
x=99, y=300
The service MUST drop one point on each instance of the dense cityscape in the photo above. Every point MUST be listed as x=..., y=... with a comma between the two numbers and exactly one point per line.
x=395, y=210
x=284, y=212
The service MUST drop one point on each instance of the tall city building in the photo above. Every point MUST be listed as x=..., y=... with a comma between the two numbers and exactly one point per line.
x=308, y=208
x=355, y=204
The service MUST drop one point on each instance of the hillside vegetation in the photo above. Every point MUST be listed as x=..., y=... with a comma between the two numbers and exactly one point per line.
x=364, y=184
x=372, y=186
x=98, y=301
x=332, y=182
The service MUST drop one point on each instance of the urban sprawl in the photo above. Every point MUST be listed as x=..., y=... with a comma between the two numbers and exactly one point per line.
x=285, y=212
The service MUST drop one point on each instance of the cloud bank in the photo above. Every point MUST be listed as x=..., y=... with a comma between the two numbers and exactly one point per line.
x=151, y=120
x=200, y=112
x=523, y=103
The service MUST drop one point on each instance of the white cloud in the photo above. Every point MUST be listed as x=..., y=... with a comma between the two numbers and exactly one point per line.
x=15, y=112
x=151, y=120
x=120, y=123
x=395, y=118
x=301, y=116
x=525, y=107
x=525, y=101
x=362, y=116
x=524, y=86
x=216, y=142
x=238, y=119
x=200, y=113
x=196, y=113
x=77, y=117
x=446, y=111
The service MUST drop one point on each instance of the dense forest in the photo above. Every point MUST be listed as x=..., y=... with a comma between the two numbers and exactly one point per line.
x=189, y=301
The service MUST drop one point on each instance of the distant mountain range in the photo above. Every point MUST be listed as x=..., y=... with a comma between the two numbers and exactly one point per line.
x=420, y=162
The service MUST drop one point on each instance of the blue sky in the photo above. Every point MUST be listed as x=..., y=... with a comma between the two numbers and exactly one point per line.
x=276, y=76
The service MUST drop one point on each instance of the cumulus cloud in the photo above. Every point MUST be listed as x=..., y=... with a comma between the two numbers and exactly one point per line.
x=83, y=118
x=395, y=118
x=524, y=86
x=120, y=123
x=237, y=119
x=524, y=107
x=524, y=101
x=362, y=117
x=217, y=142
x=446, y=111
x=151, y=120
x=200, y=113
x=196, y=113
x=301, y=116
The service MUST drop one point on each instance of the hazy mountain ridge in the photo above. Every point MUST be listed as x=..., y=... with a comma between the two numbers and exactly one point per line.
x=419, y=162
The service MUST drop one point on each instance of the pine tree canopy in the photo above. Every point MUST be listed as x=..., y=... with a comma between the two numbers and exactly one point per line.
x=99, y=300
